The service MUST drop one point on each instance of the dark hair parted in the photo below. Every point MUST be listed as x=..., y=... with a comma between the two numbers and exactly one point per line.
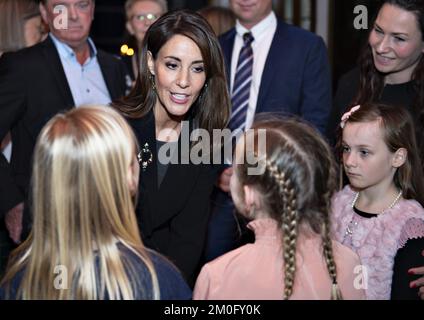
x=296, y=188
x=372, y=81
x=398, y=132
x=212, y=108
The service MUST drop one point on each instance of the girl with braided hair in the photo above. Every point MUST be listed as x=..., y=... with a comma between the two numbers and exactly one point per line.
x=293, y=256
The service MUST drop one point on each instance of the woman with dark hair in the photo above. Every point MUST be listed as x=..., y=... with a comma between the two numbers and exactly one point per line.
x=181, y=87
x=391, y=66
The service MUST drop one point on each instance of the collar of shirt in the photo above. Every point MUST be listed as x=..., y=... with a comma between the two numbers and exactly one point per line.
x=66, y=52
x=259, y=30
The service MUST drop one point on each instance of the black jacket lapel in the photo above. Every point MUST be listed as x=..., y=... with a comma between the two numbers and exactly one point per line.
x=54, y=65
x=110, y=75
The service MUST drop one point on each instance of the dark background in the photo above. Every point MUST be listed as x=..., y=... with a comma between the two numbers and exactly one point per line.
x=345, y=41
x=108, y=29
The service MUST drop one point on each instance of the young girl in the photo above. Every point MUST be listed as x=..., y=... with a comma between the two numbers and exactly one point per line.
x=85, y=243
x=293, y=256
x=381, y=210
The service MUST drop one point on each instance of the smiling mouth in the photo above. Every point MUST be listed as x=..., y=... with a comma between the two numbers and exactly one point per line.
x=383, y=60
x=179, y=98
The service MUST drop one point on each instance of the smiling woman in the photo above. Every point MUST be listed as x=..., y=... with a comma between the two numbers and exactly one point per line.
x=391, y=66
x=181, y=78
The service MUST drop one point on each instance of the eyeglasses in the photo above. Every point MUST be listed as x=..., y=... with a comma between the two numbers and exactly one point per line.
x=145, y=17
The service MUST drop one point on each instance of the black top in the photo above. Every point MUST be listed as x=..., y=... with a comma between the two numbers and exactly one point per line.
x=397, y=94
x=406, y=258
x=163, y=167
x=171, y=283
x=173, y=214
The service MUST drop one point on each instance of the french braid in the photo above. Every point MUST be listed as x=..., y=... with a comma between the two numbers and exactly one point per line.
x=289, y=226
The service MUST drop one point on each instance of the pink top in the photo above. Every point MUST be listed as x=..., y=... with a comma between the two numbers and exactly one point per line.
x=255, y=271
x=376, y=240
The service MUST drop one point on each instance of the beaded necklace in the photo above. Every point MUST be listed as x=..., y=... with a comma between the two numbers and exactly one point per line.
x=352, y=224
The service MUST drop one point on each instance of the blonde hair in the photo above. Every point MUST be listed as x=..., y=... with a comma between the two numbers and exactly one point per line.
x=13, y=15
x=296, y=188
x=129, y=4
x=83, y=209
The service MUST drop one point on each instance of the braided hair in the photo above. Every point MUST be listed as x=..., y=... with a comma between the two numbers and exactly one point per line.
x=296, y=188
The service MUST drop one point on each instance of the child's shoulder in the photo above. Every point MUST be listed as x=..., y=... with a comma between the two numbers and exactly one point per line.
x=411, y=208
x=343, y=196
x=412, y=205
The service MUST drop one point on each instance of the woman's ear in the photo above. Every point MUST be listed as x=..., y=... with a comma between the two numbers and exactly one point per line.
x=150, y=62
x=399, y=157
x=251, y=200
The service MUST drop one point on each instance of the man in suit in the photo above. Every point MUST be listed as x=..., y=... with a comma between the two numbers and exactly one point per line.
x=64, y=71
x=290, y=75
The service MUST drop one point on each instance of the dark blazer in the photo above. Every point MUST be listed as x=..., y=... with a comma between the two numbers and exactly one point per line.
x=33, y=88
x=173, y=216
x=296, y=78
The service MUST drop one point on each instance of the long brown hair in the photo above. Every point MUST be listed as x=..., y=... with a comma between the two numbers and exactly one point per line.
x=13, y=15
x=371, y=83
x=296, y=187
x=212, y=108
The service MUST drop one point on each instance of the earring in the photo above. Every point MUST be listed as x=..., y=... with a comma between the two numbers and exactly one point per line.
x=203, y=91
x=152, y=80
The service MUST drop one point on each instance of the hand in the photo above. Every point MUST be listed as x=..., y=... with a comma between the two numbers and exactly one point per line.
x=224, y=179
x=13, y=221
x=419, y=282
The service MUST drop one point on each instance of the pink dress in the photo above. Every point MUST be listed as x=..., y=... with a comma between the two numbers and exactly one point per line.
x=255, y=271
x=376, y=240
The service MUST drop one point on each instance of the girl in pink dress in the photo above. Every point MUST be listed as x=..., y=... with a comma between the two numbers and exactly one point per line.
x=287, y=192
x=381, y=211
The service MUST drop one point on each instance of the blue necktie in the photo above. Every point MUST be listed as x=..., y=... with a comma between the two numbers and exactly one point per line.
x=242, y=83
